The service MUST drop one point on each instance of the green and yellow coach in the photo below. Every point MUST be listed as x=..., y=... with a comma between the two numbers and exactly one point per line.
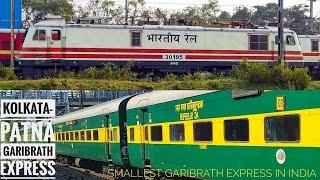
x=200, y=134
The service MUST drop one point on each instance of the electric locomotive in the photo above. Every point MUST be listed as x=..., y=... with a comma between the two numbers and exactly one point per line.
x=266, y=134
x=53, y=45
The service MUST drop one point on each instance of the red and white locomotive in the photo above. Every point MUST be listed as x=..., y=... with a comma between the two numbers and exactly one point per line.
x=5, y=44
x=53, y=45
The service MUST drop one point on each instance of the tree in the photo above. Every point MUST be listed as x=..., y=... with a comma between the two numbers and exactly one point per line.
x=136, y=8
x=265, y=14
x=242, y=13
x=224, y=15
x=113, y=11
x=204, y=15
x=160, y=15
x=36, y=10
x=209, y=12
x=296, y=19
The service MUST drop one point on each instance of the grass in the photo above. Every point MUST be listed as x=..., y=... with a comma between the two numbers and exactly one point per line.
x=100, y=84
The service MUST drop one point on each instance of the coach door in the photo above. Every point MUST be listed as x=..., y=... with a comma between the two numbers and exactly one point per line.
x=144, y=129
x=106, y=122
x=56, y=43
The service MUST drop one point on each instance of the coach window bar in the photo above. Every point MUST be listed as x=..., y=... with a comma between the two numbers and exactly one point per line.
x=71, y=136
x=88, y=135
x=177, y=132
x=95, y=135
x=202, y=131
x=156, y=133
x=236, y=130
x=132, y=134
x=282, y=128
x=82, y=135
x=77, y=136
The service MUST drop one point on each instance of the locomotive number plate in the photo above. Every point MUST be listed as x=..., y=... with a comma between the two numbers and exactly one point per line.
x=174, y=57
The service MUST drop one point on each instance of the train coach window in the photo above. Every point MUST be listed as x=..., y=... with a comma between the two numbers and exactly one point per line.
x=131, y=134
x=71, y=136
x=110, y=135
x=176, y=132
x=135, y=38
x=67, y=136
x=55, y=35
x=156, y=133
x=146, y=133
x=282, y=128
x=88, y=135
x=76, y=136
x=115, y=134
x=314, y=45
x=95, y=135
x=82, y=135
x=40, y=35
x=63, y=137
x=59, y=136
x=202, y=131
x=258, y=42
x=236, y=130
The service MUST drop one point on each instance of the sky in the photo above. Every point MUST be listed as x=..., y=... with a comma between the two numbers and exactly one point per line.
x=226, y=5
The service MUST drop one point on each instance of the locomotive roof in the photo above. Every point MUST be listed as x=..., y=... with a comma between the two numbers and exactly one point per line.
x=157, y=97
x=103, y=108
x=309, y=36
x=9, y=30
x=61, y=23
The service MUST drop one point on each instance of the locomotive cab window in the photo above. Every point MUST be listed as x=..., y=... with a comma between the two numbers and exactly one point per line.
x=258, y=42
x=282, y=128
x=236, y=130
x=202, y=131
x=39, y=35
x=290, y=40
x=55, y=35
x=135, y=38
x=314, y=45
x=156, y=133
x=177, y=132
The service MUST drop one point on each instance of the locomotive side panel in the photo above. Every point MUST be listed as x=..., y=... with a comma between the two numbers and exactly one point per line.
x=152, y=49
x=310, y=48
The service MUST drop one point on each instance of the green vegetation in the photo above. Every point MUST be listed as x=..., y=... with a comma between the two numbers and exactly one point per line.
x=246, y=76
x=6, y=73
x=259, y=75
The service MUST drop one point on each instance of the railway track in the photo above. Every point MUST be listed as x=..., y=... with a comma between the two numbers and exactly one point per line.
x=82, y=172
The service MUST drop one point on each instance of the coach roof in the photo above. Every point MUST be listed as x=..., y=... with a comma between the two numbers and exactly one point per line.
x=103, y=108
x=157, y=97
